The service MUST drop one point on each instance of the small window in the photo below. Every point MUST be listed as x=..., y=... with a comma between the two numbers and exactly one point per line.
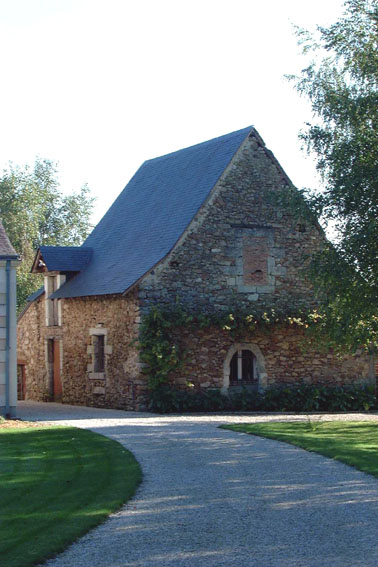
x=98, y=342
x=243, y=369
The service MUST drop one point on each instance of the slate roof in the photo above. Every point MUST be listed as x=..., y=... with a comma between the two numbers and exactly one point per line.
x=35, y=294
x=65, y=258
x=150, y=215
x=6, y=248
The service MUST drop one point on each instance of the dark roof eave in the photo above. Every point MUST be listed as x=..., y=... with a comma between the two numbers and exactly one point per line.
x=63, y=260
x=13, y=257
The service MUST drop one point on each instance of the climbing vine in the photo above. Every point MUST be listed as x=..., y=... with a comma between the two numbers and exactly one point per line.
x=162, y=354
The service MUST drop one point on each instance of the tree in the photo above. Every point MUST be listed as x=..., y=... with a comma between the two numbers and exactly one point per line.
x=34, y=212
x=341, y=84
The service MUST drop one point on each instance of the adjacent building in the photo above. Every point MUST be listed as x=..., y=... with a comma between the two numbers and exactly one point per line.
x=9, y=261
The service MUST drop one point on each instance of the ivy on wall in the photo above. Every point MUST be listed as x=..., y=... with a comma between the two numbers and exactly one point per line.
x=162, y=354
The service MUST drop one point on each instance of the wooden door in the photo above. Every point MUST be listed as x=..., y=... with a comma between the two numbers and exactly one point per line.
x=57, y=384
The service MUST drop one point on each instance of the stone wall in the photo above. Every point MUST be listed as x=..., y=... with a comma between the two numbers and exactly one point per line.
x=244, y=251
x=120, y=386
x=288, y=358
x=31, y=331
x=241, y=245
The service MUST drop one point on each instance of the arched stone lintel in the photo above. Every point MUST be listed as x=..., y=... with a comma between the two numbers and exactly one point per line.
x=261, y=371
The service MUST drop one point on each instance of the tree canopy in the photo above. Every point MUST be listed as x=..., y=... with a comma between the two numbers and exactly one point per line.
x=35, y=212
x=341, y=84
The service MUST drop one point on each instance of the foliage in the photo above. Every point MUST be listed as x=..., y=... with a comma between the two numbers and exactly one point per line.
x=310, y=397
x=352, y=443
x=161, y=352
x=34, y=212
x=296, y=398
x=157, y=351
x=162, y=355
x=56, y=484
x=342, y=87
x=173, y=400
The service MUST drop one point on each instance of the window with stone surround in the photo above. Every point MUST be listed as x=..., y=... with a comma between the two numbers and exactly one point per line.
x=255, y=260
x=243, y=368
x=256, y=267
x=98, y=351
x=244, y=365
x=98, y=342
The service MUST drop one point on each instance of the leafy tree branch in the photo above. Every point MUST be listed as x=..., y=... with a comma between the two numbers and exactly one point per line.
x=341, y=84
x=35, y=212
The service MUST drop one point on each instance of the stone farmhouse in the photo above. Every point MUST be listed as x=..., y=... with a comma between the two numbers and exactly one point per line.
x=198, y=228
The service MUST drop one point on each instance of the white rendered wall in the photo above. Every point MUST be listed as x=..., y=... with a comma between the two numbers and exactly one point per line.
x=12, y=339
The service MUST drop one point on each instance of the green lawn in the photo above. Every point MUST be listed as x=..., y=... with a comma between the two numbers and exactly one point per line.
x=55, y=484
x=351, y=442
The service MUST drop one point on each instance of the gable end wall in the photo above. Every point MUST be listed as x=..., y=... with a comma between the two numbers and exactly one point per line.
x=236, y=234
x=242, y=246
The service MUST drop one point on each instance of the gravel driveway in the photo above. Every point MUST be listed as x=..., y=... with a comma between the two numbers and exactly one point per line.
x=213, y=498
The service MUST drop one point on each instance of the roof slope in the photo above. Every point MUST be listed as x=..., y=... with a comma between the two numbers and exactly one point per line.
x=6, y=248
x=64, y=258
x=150, y=215
x=40, y=291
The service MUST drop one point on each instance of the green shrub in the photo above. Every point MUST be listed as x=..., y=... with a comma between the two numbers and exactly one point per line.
x=246, y=400
x=298, y=398
x=172, y=400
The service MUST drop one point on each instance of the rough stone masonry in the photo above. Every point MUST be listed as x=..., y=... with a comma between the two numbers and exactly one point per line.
x=240, y=248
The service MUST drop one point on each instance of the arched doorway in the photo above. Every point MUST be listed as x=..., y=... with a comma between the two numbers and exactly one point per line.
x=244, y=366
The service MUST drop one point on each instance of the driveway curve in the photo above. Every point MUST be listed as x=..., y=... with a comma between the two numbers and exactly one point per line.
x=213, y=498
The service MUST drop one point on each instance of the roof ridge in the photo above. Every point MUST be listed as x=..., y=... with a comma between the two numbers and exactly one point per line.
x=55, y=247
x=212, y=140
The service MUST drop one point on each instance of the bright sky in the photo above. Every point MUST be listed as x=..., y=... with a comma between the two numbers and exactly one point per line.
x=102, y=85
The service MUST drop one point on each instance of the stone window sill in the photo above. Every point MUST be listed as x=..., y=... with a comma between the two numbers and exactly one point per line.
x=243, y=382
x=97, y=375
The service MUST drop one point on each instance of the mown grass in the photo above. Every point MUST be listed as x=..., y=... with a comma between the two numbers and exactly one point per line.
x=353, y=443
x=55, y=484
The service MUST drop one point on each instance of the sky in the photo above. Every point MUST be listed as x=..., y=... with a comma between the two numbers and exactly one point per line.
x=99, y=86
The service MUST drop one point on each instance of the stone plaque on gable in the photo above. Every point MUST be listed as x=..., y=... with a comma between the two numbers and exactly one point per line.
x=255, y=260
